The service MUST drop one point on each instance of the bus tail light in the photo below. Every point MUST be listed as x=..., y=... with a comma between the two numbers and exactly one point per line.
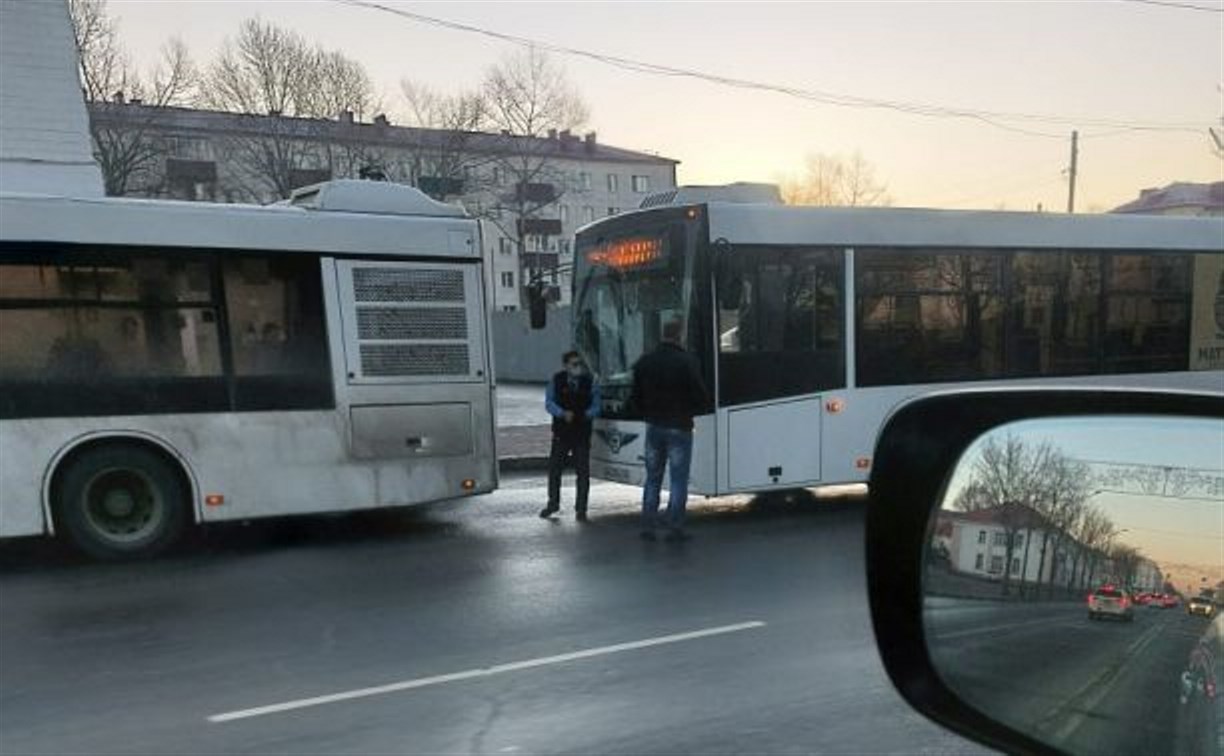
x=863, y=463
x=468, y=484
x=214, y=500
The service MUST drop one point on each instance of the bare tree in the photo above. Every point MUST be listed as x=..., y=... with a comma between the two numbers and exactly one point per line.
x=530, y=100
x=836, y=181
x=124, y=146
x=1125, y=560
x=1008, y=479
x=1065, y=490
x=444, y=162
x=1094, y=533
x=296, y=91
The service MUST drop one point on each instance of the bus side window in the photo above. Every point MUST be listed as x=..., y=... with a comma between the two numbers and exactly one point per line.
x=781, y=331
x=277, y=333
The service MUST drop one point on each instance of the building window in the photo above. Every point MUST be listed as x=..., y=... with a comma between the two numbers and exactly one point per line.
x=1015, y=570
x=612, y=183
x=588, y=214
x=641, y=184
x=996, y=565
x=612, y=211
x=981, y=536
x=979, y=561
x=563, y=213
x=584, y=182
x=508, y=308
x=563, y=246
x=505, y=246
x=507, y=279
x=1019, y=540
x=1000, y=539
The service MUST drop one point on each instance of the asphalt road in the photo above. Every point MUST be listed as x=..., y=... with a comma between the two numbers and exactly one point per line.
x=1091, y=687
x=469, y=627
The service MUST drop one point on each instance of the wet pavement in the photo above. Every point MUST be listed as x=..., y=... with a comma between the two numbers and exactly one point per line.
x=465, y=627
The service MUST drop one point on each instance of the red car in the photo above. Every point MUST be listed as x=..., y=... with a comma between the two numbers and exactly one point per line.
x=1169, y=601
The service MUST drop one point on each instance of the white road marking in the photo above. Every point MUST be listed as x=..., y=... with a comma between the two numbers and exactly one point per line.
x=422, y=682
x=995, y=629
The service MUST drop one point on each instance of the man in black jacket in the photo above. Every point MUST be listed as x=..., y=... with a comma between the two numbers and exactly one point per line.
x=572, y=399
x=668, y=392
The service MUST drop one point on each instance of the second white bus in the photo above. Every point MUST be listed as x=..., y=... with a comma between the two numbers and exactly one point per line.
x=812, y=324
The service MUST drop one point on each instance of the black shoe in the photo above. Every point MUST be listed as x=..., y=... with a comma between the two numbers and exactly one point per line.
x=581, y=516
x=676, y=536
x=548, y=512
x=648, y=535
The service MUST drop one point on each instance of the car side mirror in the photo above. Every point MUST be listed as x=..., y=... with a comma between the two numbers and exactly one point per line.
x=1044, y=567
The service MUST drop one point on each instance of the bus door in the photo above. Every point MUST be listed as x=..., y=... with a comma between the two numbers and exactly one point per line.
x=780, y=348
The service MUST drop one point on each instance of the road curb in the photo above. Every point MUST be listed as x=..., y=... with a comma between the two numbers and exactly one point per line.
x=522, y=464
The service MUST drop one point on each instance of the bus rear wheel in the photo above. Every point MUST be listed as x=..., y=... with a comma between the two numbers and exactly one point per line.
x=121, y=501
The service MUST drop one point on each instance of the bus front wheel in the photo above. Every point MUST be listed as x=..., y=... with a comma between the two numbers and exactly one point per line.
x=121, y=501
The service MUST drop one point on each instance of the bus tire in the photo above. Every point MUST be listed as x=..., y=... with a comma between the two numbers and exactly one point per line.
x=120, y=501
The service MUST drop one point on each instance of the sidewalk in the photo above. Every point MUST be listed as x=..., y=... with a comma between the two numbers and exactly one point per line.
x=523, y=427
x=523, y=447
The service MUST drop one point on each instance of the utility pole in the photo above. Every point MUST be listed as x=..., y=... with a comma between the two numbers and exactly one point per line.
x=1072, y=171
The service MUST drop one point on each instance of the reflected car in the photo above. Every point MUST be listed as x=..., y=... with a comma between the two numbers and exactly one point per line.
x=1110, y=601
x=1201, y=605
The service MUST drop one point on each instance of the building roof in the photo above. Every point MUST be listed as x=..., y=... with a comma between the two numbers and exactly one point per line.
x=563, y=145
x=1180, y=194
x=1017, y=515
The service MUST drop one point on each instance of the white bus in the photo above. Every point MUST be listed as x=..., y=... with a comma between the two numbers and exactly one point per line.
x=167, y=363
x=812, y=324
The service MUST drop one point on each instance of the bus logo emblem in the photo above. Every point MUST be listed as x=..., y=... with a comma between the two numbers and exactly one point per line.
x=616, y=439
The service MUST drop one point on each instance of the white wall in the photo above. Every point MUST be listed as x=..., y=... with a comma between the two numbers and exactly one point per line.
x=967, y=549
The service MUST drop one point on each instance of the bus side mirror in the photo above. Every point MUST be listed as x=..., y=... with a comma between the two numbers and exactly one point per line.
x=537, y=307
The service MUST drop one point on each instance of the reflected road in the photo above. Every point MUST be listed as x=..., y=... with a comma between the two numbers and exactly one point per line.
x=1107, y=687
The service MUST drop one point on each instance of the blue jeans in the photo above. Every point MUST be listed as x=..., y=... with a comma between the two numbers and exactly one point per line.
x=674, y=448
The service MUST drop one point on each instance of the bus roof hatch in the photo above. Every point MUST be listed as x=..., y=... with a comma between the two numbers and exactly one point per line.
x=379, y=197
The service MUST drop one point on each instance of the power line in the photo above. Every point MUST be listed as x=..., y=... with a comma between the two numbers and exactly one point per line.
x=993, y=118
x=1179, y=6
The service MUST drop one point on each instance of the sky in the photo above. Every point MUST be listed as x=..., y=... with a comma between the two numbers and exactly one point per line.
x=1177, y=533
x=1099, y=59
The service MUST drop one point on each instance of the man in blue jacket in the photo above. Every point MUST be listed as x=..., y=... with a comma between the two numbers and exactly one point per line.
x=572, y=399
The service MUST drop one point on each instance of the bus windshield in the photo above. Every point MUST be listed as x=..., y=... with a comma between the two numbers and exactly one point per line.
x=620, y=310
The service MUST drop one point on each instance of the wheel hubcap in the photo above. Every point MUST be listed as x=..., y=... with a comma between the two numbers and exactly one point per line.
x=123, y=505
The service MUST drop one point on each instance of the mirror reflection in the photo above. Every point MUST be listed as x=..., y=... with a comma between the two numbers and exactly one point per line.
x=1073, y=579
